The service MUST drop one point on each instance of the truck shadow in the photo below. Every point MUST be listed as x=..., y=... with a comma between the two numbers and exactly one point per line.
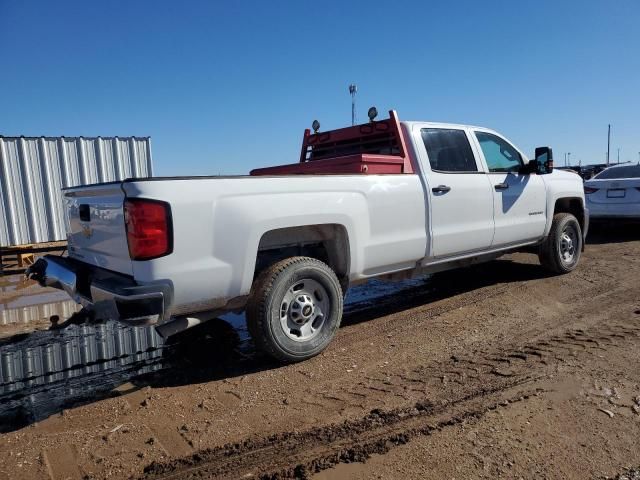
x=449, y=284
x=46, y=372
x=517, y=184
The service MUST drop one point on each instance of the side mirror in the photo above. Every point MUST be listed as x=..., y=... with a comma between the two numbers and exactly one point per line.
x=531, y=167
x=544, y=160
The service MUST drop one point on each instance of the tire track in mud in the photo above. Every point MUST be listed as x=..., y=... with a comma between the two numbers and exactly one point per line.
x=412, y=384
x=349, y=441
x=450, y=392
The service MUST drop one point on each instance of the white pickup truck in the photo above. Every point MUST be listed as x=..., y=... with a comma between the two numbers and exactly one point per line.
x=384, y=199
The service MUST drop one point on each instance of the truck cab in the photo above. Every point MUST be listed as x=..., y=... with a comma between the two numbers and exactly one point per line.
x=479, y=191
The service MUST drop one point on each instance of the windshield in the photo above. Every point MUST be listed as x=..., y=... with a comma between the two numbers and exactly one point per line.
x=630, y=171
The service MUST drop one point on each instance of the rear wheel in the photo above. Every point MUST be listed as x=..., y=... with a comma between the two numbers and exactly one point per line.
x=295, y=308
x=561, y=250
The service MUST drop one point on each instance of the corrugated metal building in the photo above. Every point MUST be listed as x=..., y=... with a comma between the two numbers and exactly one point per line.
x=33, y=170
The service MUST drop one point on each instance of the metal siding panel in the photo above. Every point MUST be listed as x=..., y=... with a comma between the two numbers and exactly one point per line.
x=34, y=169
x=70, y=152
x=124, y=157
x=33, y=187
x=86, y=162
x=108, y=163
x=144, y=158
x=5, y=221
x=57, y=217
x=15, y=198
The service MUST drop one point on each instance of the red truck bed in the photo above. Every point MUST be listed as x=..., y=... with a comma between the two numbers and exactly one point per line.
x=377, y=147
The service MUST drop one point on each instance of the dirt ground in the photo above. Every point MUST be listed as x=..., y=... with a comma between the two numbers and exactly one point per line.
x=499, y=371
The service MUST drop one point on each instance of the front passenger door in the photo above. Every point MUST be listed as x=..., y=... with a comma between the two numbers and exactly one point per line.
x=519, y=198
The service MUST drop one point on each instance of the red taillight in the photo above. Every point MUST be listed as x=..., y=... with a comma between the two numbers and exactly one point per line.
x=148, y=225
x=590, y=190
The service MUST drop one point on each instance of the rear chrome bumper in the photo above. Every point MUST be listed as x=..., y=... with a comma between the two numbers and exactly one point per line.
x=614, y=211
x=110, y=295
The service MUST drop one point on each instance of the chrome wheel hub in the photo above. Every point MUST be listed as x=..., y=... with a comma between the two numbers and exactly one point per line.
x=303, y=309
x=568, y=243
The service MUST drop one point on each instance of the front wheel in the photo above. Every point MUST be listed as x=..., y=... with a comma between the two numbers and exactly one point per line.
x=561, y=250
x=295, y=308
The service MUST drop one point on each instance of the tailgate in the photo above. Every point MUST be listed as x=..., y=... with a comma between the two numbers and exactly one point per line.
x=95, y=228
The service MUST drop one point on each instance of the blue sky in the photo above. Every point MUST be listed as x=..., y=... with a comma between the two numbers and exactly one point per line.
x=223, y=87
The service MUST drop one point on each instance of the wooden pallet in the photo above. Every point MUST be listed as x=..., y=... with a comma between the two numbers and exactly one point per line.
x=16, y=259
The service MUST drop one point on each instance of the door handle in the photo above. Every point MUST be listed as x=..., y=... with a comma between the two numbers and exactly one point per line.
x=501, y=186
x=441, y=189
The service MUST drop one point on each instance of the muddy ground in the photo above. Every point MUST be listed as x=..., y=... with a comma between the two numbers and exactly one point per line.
x=496, y=371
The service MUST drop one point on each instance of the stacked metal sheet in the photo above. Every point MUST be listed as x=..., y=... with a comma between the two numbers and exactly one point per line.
x=33, y=170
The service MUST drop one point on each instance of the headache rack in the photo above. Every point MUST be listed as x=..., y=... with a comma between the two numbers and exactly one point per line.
x=377, y=147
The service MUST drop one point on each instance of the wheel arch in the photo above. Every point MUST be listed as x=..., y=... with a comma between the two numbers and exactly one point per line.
x=572, y=205
x=328, y=243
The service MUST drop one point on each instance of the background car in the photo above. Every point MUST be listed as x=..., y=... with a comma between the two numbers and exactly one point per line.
x=614, y=193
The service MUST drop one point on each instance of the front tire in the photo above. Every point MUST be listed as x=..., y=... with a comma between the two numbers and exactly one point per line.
x=295, y=308
x=561, y=250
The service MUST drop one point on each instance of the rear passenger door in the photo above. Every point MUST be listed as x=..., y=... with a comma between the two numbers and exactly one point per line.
x=460, y=197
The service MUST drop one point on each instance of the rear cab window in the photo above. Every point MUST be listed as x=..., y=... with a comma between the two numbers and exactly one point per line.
x=449, y=150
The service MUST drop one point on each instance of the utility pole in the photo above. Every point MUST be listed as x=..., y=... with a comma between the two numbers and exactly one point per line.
x=618, y=155
x=565, y=159
x=353, y=89
x=608, y=143
x=569, y=159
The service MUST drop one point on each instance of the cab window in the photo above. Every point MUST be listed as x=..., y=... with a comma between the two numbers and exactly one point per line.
x=448, y=150
x=500, y=155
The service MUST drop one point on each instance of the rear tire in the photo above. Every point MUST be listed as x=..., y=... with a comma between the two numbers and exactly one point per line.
x=561, y=250
x=295, y=309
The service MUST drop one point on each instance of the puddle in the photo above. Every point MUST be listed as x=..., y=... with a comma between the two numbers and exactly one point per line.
x=44, y=372
x=23, y=301
x=373, y=290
